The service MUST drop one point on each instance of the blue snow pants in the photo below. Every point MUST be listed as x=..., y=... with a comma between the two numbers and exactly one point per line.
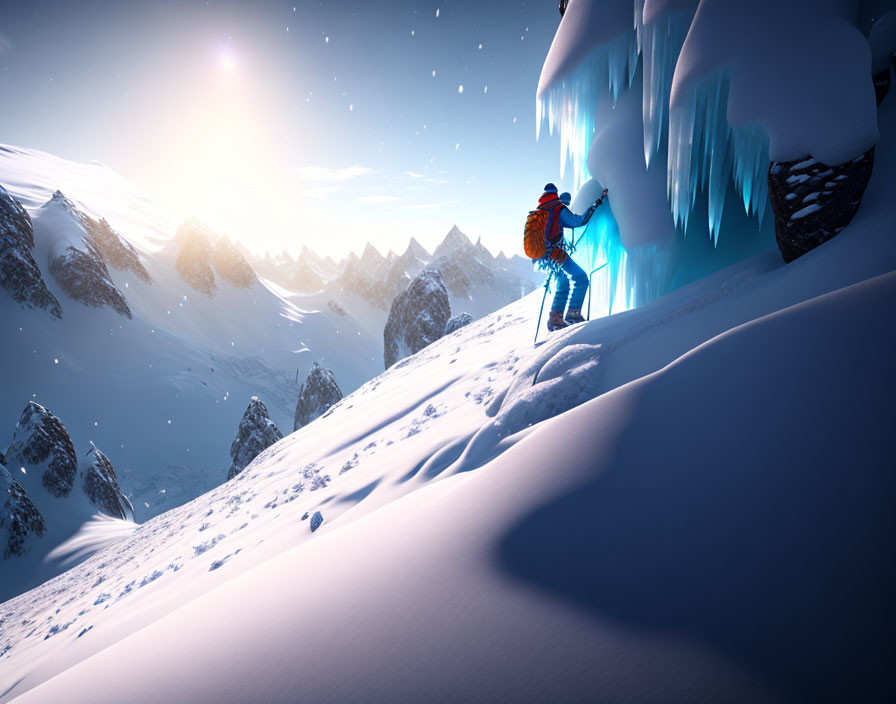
x=573, y=271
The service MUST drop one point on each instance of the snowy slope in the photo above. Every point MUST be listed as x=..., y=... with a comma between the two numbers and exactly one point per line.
x=163, y=392
x=710, y=520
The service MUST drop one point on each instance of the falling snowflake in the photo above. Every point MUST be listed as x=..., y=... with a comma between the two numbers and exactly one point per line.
x=460, y=88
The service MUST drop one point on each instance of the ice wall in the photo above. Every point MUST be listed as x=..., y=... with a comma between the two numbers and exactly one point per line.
x=724, y=86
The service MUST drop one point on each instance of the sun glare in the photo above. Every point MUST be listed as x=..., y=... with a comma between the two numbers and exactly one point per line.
x=229, y=170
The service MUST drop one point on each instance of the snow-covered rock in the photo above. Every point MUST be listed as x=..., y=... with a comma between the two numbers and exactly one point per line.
x=203, y=253
x=255, y=434
x=417, y=317
x=304, y=279
x=41, y=444
x=231, y=265
x=76, y=257
x=194, y=260
x=19, y=272
x=20, y=521
x=457, y=322
x=317, y=395
x=100, y=485
x=813, y=202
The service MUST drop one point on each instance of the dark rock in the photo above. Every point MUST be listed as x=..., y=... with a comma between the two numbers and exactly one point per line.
x=256, y=433
x=195, y=257
x=813, y=202
x=231, y=265
x=82, y=273
x=100, y=485
x=316, y=521
x=41, y=441
x=115, y=250
x=19, y=273
x=18, y=517
x=319, y=392
x=457, y=322
x=84, y=277
x=335, y=307
x=417, y=317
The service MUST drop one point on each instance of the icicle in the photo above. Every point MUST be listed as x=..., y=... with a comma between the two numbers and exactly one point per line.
x=704, y=152
x=572, y=104
x=660, y=44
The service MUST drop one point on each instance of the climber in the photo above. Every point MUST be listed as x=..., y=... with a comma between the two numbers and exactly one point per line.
x=544, y=244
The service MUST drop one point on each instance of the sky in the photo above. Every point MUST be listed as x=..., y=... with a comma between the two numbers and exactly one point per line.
x=280, y=124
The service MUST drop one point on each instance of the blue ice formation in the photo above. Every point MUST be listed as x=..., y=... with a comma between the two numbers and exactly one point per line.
x=704, y=152
x=571, y=105
x=659, y=45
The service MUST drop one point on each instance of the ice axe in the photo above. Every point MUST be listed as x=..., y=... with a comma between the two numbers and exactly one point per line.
x=547, y=286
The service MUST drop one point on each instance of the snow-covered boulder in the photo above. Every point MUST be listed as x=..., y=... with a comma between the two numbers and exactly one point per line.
x=417, y=318
x=813, y=202
x=319, y=392
x=457, y=322
x=19, y=517
x=100, y=485
x=41, y=443
x=19, y=273
x=256, y=433
x=75, y=257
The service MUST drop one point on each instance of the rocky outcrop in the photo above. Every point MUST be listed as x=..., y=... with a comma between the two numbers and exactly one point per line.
x=319, y=392
x=77, y=263
x=100, y=485
x=19, y=272
x=19, y=517
x=194, y=258
x=457, y=322
x=41, y=443
x=84, y=277
x=417, y=317
x=231, y=265
x=202, y=253
x=256, y=433
x=114, y=249
x=813, y=202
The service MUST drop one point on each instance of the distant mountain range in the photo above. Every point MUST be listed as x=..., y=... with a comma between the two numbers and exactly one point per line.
x=468, y=270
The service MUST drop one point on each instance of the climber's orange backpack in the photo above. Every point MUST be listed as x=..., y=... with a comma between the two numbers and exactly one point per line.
x=535, y=234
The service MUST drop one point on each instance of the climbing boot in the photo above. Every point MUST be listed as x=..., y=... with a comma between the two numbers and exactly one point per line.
x=555, y=321
x=574, y=315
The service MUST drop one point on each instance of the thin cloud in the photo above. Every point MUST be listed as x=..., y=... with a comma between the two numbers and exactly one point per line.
x=5, y=44
x=322, y=173
x=377, y=200
x=437, y=180
x=322, y=191
x=413, y=174
x=426, y=206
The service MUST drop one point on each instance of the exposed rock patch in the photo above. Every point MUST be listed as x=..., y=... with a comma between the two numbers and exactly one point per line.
x=41, y=443
x=813, y=202
x=417, y=317
x=256, y=433
x=317, y=395
x=19, y=272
